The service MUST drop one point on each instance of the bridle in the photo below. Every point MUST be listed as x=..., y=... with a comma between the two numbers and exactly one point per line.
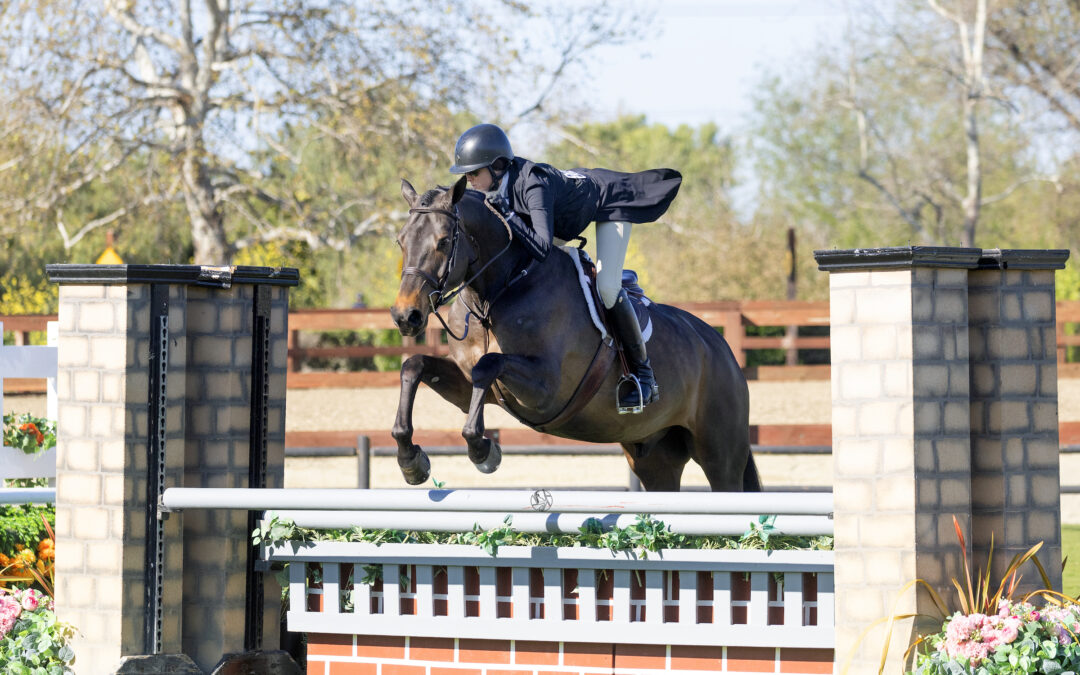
x=439, y=295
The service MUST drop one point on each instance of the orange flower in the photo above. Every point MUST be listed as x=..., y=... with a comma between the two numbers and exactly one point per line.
x=46, y=549
x=30, y=427
x=24, y=559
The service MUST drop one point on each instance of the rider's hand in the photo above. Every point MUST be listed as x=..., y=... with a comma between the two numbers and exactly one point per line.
x=500, y=203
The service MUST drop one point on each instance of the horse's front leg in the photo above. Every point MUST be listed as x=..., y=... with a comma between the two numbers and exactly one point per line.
x=516, y=371
x=448, y=381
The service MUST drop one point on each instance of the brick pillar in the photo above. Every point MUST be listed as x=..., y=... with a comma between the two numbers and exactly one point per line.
x=219, y=414
x=907, y=363
x=118, y=325
x=1014, y=410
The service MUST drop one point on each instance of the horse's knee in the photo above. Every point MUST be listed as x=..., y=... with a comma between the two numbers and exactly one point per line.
x=412, y=368
x=487, y=368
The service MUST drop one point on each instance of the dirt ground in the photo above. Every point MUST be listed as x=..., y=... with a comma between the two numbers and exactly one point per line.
x=343, y=409
x=770, y=403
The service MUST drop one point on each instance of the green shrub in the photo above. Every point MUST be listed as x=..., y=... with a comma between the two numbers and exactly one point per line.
x=22, y=524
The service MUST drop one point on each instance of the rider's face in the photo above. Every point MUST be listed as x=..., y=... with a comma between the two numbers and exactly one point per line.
x=481, y=179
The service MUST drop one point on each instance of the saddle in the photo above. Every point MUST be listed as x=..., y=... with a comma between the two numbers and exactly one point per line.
x=587, y=276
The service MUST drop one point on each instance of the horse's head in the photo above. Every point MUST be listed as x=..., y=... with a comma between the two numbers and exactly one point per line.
x=435, y=251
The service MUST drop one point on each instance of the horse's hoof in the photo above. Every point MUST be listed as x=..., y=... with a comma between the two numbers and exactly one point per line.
x=418, y=470
x=494, y=457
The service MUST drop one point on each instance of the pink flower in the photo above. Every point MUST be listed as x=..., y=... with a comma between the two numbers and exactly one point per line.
x=30, y=600
x=964, y=638
x=975, y=636
x=9, y=612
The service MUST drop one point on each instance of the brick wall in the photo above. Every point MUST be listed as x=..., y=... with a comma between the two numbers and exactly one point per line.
x=378, y=655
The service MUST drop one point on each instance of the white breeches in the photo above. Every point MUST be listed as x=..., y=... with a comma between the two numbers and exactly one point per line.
x=612, y=238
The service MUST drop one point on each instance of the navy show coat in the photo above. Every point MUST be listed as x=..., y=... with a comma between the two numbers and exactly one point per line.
x=561, y=204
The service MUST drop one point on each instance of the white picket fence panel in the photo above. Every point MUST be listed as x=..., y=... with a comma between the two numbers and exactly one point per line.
x=32, y=362
x=584, y=618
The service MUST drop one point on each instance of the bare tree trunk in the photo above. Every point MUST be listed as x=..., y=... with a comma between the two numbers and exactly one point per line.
x=973, y=57
x=973, y=199
x=972, y=43
x=207, y=222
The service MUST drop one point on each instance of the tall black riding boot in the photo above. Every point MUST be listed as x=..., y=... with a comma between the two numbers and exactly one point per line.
x=628, y=332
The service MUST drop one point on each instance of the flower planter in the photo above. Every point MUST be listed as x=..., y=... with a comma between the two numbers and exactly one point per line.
x=17, y=464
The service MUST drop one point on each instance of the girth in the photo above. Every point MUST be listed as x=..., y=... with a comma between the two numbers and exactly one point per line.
x=590, y=383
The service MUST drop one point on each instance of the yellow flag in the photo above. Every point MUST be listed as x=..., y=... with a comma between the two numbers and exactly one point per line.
x=109, y=257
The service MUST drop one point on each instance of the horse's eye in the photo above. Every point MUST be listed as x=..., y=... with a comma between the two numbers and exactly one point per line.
x=443, y=243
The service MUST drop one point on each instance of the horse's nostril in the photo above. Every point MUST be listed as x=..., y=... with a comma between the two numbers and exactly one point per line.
x=415, y=318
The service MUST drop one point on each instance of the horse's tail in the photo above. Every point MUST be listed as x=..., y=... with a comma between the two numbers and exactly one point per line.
x=751, y=482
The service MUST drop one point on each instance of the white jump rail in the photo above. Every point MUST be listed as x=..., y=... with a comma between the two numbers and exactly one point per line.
x=538, y=511
x=454, y=591
x=503, y=501
x=30, y=362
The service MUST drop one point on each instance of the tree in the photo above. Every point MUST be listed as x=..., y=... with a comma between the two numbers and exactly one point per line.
x=699, y=250
x=901, y=133
x=193, y=91
x=1036, y=47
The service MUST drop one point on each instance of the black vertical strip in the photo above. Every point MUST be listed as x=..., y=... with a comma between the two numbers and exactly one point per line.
x=260, y=400
x=155, y=466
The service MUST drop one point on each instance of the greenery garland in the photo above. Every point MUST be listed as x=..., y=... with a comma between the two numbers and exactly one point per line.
x=646, y=534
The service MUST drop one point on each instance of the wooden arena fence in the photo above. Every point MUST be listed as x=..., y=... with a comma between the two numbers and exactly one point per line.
x=733, y=317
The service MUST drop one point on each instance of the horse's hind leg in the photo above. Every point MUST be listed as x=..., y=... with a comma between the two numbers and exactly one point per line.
x=723, y=451
x=448, y=381
x=659, y=461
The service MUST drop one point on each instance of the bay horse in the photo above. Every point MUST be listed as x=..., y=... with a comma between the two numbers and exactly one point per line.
x=522, y=338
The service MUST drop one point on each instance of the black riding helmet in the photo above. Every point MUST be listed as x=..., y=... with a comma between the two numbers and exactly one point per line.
x=480, y=147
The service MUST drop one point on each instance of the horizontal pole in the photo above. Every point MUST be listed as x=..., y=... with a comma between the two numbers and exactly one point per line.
x=501, y=501
x=538, y=450
x=343, y=451
x=592, y=449
x=44, y=495
x=551, y=523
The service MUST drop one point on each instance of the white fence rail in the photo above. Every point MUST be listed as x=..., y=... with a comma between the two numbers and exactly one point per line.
x=30, y=362
x=708, y=597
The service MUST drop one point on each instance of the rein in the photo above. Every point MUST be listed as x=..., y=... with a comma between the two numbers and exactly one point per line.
x=439, y=296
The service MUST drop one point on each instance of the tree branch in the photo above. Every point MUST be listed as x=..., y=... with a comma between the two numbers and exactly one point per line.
x=126, y=19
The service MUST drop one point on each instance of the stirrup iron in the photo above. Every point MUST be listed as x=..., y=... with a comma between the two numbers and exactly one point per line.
x=633, y=409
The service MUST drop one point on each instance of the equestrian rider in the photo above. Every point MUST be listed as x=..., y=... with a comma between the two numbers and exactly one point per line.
x=542, y=204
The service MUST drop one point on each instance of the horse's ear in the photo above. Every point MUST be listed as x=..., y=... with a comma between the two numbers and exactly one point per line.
x=408, y=192
x=459, y=190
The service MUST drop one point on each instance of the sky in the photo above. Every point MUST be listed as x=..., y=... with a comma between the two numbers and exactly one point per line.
x=701, y=65
x=704, y=57
x=703, y=62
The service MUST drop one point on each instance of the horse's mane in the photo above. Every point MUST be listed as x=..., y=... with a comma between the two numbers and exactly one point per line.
x=428, y=197
x=471, y=204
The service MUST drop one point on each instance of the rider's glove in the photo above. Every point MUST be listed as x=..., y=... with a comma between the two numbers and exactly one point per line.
x=500, y=203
